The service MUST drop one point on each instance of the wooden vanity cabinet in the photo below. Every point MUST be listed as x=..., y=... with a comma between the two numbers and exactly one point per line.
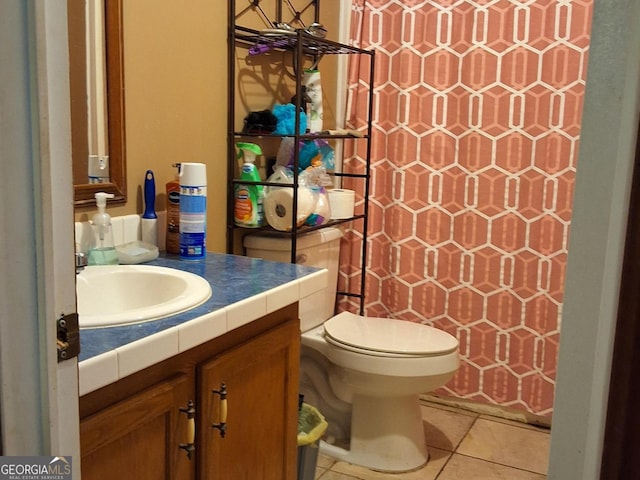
x=135, y=437
x=262, y=401
x=134, y=427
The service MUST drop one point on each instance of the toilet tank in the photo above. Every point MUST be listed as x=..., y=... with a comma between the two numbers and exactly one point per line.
x=319, y=248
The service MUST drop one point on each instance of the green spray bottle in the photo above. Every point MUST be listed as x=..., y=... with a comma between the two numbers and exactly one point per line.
x=248, y=199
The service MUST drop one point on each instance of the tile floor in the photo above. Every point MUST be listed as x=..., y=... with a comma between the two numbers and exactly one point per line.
x=464, y=446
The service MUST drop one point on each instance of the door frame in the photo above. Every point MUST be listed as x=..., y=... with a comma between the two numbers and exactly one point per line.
x=620, y=458
x=38, y=395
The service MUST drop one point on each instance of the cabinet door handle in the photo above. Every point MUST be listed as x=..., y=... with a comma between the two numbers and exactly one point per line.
x=222, y=426
x=190, y=446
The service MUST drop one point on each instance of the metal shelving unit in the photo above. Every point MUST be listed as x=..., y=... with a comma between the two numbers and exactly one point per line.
x=303, y=47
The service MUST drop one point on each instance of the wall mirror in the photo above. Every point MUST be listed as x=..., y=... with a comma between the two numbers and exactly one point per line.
x=97, y=121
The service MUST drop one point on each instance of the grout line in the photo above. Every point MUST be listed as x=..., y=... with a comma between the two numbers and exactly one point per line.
x=444, y=465
x=499, y=464
x=476, y=416
x=471, y=425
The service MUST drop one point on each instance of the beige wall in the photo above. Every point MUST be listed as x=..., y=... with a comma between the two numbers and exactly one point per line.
x=176, y=100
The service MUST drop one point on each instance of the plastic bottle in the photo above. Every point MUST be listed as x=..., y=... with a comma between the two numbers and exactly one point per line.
x=193, y=210
x=173, y=213
x=248, y=199
x=313, y=88
x=103, y=251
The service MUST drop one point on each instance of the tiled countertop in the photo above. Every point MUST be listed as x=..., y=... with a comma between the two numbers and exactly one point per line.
x=243, y=290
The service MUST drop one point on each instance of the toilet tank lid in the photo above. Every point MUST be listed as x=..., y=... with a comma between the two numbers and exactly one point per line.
x=389, y=335
x=282, y=241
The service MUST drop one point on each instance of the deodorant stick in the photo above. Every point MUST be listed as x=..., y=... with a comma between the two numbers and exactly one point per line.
x=193, y=210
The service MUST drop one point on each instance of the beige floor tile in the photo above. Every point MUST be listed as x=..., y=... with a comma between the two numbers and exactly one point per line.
x=331, y=475
x=319, y=472
x=445, y=429
x=507, y=445
x=325, y=461
x=460, y=467
x=507, y=421
x=438, y=458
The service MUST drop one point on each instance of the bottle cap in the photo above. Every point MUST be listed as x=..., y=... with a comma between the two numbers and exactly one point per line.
x=193, y=174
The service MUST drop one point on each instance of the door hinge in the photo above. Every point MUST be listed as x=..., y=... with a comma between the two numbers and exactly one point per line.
x=68, y=339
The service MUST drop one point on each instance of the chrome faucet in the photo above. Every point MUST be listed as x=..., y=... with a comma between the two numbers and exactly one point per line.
x=81, y=261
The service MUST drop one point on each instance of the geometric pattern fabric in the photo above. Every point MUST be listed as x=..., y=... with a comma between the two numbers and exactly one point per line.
x=477, y=109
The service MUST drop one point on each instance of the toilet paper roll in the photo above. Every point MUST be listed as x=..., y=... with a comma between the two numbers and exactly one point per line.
x=278, y=207
x=342, y=203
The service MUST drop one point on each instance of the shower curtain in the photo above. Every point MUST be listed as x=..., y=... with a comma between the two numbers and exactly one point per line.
x=477, y=110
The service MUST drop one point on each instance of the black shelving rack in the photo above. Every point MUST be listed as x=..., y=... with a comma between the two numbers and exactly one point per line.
x=303, y=47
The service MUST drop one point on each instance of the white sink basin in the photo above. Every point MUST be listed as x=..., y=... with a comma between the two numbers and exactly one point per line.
x=110, y=295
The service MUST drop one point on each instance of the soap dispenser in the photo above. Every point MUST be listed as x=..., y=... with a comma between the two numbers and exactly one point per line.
x=103, y=251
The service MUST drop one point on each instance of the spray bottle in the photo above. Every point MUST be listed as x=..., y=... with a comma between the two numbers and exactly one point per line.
x=103, y=251
x=193, y=210
x=248, y=199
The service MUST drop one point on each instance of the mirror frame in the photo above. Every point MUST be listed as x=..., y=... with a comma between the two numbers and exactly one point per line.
x=84, y=194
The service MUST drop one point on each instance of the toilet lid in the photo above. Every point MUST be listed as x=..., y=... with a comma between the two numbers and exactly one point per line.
x=386, y=335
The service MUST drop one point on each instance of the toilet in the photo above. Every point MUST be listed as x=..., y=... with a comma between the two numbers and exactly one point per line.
x=364, y=374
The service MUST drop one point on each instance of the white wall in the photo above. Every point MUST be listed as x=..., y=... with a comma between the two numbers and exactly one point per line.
x=22, y=415
x=38, y=396
x=596, y=245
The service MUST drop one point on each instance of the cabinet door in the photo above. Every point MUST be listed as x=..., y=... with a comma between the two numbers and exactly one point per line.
x=139, y=437
x=261, y=381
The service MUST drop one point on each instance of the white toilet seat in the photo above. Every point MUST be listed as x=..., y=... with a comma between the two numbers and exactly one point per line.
x=384, y=337
x=363, y=351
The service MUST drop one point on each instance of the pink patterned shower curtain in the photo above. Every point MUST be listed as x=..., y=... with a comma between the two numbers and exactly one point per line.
x=476, y=125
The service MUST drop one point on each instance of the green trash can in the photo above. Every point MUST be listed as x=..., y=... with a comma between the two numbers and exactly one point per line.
x=311, y=426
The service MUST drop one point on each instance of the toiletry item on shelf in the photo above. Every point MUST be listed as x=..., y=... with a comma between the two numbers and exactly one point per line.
x=103, y=251
x=193, y=210
x=262, y=122
x=313, y=88
x=149, y=222
x=172, y=244
x=248, y=199
x=322, y=210
x=278, y=207
x=342, y=203
x=286, y=120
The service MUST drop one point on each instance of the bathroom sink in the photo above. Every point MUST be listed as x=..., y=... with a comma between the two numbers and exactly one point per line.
x=110, y=295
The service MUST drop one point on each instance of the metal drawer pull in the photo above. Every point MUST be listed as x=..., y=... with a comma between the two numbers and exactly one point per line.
x=222, y=426
x=190, y=446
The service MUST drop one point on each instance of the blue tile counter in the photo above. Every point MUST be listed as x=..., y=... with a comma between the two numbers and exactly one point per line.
x=243, y=289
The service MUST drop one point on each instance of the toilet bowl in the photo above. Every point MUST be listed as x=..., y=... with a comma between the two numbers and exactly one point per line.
x=380, y=366
x=365, y=374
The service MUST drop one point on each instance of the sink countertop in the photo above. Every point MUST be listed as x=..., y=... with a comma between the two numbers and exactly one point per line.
x=244, y=289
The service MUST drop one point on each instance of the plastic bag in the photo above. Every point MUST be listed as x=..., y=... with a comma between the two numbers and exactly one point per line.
x=322, y=211
x=280, y=175
x=316, y=152
x=278, y=202
x=311, y=425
